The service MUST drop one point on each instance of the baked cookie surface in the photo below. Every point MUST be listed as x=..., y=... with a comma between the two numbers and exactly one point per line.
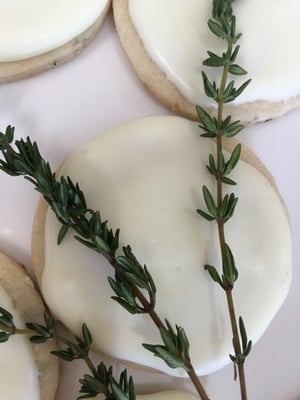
x=167, y=42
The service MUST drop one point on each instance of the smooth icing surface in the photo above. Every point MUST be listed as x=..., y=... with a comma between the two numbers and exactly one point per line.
x=146, y=178
x=177, y=38
x=18, y=372
x=32, y=27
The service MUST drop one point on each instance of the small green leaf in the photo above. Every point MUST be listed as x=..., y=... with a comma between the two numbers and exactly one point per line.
x=38, y=339
x=228, y=92
x=233, y=129
x=246, y=345
x=183, y=341
x=209, y=201
x=237, y=70
x=167, y=340
x=209, y=124
x=132, y=309
x=64, y=355
x=170, y=359
x=214, y=274
x=93, y=384
x=210, y=88
x=215, y=61
x=62, y=233
x=4, y=336
x=134, y=278
x=205, y=215
x=248, y=348
x=101, y=245
x=229, y=269
x=6, y=318
x=217, y=29
x=39, y=329
x=224, y=206
x=240, y=90
x=221, y=163
x=212, y=165
x=235, y=374
x=234, y=54
x=86, y=334
x=234, y=159
x=118, y=393
x=228, y=181
x=231, y=207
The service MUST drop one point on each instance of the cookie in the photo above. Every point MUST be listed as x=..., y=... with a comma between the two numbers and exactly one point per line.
x=37, y=377
x=166, y=43
x=36, y=36
x=146, y=178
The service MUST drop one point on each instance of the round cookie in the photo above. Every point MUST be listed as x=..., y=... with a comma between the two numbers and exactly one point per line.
x=150, y=174
x=40, y=35
x=167, y=42
x=167, y=395
x=19, y=287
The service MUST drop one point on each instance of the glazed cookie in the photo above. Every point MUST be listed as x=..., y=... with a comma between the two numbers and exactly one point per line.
x=167, y=42
x=167, y=395
x=27, y=371
x=38, y=35
x=146, y=178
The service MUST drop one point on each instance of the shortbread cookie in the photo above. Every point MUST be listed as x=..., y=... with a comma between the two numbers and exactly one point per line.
x=166, y=42
x=146, y=178
x=167, y=395
x=27, y=372
x=36, y=35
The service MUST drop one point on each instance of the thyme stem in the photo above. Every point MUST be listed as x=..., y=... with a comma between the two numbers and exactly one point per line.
x=197, y=384
x=16, y=331
x=84, y=354
x=221, y=230
x=148, y=307
x=237, y=344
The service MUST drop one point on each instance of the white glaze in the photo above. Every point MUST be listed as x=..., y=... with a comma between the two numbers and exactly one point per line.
x=146, y=178
x=32, y=27
x=177, y=38
x=18, y=372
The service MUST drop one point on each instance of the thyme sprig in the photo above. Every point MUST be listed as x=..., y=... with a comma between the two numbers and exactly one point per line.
x=100, y=381
x=132, y=283
x=221, y=209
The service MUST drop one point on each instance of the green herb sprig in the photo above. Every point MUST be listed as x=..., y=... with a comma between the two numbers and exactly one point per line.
x=101, y=380
x=132, y=284
x=221, y=209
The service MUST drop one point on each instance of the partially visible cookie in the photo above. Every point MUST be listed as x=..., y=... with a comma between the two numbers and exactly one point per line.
x=43, y=35
x=24, y=298
x=166, y=43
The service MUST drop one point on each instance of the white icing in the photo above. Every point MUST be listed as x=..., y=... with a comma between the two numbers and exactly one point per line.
x=18, y=372
x=32, y=27
x=146, y=178
x=177, y=38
